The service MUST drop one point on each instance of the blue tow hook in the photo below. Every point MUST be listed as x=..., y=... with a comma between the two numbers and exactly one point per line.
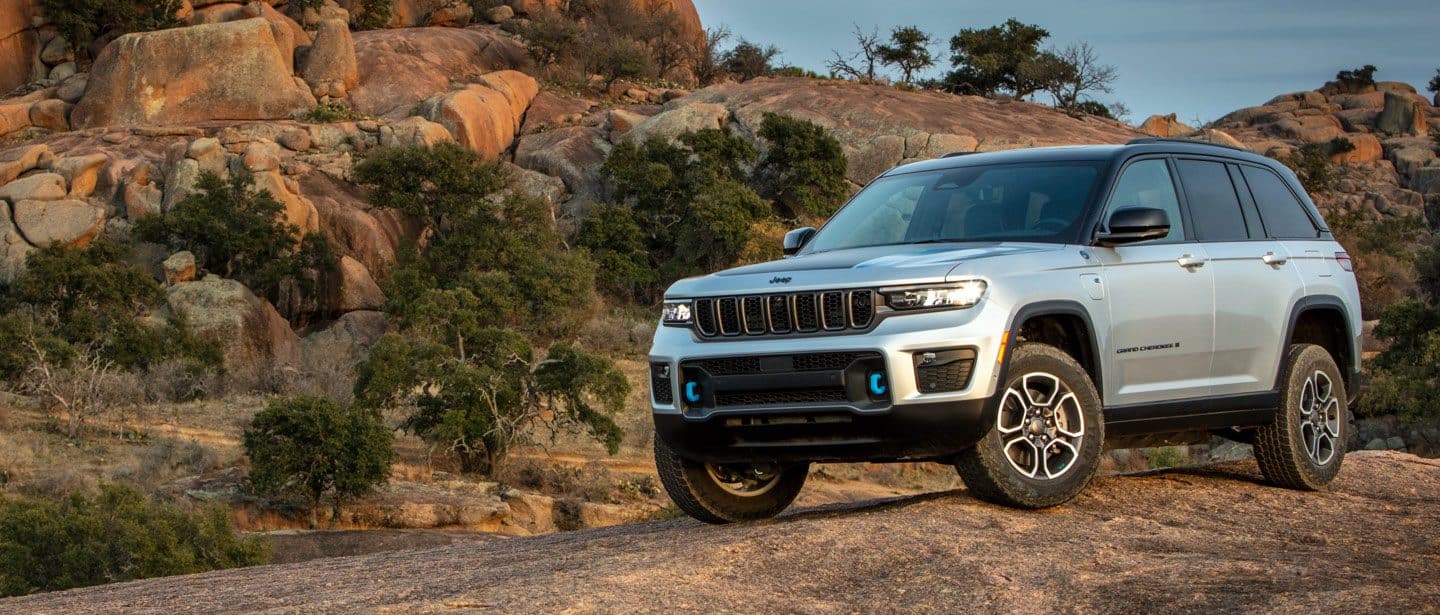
x=692, y=392
x=877, y=384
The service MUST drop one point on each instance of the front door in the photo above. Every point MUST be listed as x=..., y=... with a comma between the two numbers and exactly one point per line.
x=1161, y=296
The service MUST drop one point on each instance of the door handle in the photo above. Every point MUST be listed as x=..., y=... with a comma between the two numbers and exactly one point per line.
x=1192, y=262
x=1273, y=259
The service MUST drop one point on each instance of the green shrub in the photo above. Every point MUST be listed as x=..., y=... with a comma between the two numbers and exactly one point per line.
x=115, y=536
x=331, y=112
x=908, y=50
x=990, y=61
x=1168, y=456
x=803, y=168
x=616, y=57
x=373, y=15
x=1358, y=79
x=239, y=233
x=617, y=245
x=1311, y=164
x=1095, y=108
x=69, y=299
x=83, y=21
x=748, y=60
x=311, y=446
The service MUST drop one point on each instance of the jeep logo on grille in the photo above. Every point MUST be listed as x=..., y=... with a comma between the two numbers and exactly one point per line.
x=780, y=280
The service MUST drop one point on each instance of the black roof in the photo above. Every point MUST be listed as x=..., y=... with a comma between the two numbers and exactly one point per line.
x=1096, y=153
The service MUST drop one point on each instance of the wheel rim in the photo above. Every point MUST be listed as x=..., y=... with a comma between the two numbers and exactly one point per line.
x=1319, y=418
x=1041, y=426
x=743, y=480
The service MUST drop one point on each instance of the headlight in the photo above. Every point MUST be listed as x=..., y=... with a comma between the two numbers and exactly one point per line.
x=960, y=295
x=676, y=313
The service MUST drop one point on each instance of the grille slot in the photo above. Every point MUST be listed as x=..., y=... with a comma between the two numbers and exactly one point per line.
x=754, y=308
x=832, y=306
x=705, y=317
x=780, y=321
x=821, y=361
x=807, y=318
x=772, y=398
x=862, y=308
x=660, y=384
x=729, y=312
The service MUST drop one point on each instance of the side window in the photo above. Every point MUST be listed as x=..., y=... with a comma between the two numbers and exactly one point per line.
x=1214, y=207
x=1283, y=214
x=1147, y=183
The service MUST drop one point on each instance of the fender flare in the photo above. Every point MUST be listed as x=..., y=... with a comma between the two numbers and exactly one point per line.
x=1313, y=302
x=1055, y=307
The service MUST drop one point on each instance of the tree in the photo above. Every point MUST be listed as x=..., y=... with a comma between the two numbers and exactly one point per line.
x=803, y=167
x=240, y=233
x=865, y=59
x=749, y=60
x=1358, y=79
x=1434, y=85
x=312, y=446
x=908, y=50
x=616, y=57
x=987, y=61
x=82, y=22
x=710, y=60
x=1078, y=73
x=115, y=536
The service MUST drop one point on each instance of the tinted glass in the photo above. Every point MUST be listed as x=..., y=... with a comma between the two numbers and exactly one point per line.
x=1283, y=215
x=1147, y=184
x=1043, y=202
x=1214, y=208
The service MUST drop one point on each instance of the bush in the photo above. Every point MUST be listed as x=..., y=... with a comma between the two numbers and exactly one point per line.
x=331, y=112
x=748, y=60
x=240, y=233
x=803, y=167
x=991, y=61
x=1358, y=79
x=373, y=15
x=1098, y=109
x=311, y=446
x=1311, y=164
x=82, y=22
x=115, y=536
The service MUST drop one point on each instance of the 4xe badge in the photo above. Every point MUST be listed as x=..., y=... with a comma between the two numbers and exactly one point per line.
x=780, y=280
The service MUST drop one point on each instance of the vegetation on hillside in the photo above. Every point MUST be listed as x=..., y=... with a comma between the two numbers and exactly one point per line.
x=1404, y=376
x=116, y=535
x=492, y=282
x=84, y=22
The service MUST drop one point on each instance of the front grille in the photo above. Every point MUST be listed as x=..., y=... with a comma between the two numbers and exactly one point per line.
x=775, y=398
x=780, y=314
x=817, y=361
x=660, y=384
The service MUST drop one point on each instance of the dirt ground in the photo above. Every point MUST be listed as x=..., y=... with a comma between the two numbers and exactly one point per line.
x=1211, y=539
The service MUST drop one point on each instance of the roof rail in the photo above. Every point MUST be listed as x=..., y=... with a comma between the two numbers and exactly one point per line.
x=1145, y=140
x=957, y=154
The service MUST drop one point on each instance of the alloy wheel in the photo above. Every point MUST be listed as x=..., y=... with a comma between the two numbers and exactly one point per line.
x=1319, y=418
x=744, y=480
x=1041, y=426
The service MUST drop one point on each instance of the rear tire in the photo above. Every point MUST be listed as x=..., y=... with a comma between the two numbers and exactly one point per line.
x=1048, y=434
x=1305, y=445
x=728, y=493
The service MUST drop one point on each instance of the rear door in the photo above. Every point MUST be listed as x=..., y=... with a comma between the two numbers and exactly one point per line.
x=1255, y=284
x=1161, y=298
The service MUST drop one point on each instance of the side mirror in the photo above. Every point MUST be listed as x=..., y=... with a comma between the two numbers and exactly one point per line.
x=796, y=239
x=1134, y=224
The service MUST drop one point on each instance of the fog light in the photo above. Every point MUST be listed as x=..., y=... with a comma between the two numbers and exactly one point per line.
x=878, y=386
x=692, y=392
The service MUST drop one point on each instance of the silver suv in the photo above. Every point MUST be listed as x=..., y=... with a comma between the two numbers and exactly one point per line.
x=1015, y=314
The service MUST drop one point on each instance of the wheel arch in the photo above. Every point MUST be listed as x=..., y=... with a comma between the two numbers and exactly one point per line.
x=1079, y=338
x=1323, y=320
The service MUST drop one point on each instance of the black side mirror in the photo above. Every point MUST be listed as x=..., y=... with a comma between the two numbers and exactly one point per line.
x=1134, y=224
x=796, y=239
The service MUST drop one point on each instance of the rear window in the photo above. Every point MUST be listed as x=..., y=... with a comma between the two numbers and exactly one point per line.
x=1214, y=207
x=1282, y=214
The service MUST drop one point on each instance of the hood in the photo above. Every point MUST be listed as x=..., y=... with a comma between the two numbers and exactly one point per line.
x=895, y=265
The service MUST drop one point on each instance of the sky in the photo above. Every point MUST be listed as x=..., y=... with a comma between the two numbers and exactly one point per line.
x=1197, y=59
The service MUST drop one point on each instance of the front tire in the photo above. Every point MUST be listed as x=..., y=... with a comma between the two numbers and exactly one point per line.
x=728, y=493
x=1305, y=445
x=1048, y=435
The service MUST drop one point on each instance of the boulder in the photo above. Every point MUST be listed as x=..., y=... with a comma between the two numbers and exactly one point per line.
x=529, y=511
x=345, y=342
x=622, y=121
x=1165, y=127
x=1368, y=100
x=14, y=117
x=56, y=51
x=1310, y=128
x=142, y=200
x=942, y=144
x=179, y=268
x=481, y=118
x=330, y=66
x=414, y=131
x=401, y=67
x=38, y=187
x=371, y=236
x=18, y=42
x=536, y=184
x=551, y=109
x=868, y=161
x=679, y=120
x=72, y=88
x=70, y=222
x=453, y=15
x=499, y=14
x=294, y=139
x=352, y=288
x=52, y=114
x=13, y=247
x=299, y=211
x=16, y=161
x=81, y=173
x=252, y=336
x=1367, y=149
x=63, y=71
x=518, y=88
x=1402, y=115
x=1211, y=135
x=573, y=154
x=232, y=71
x=312, y=16
x=180, y=182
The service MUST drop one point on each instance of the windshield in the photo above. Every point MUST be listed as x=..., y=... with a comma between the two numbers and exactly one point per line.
x=1042, y=202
